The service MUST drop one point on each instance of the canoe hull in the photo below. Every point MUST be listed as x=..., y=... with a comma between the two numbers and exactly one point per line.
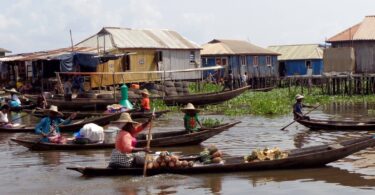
x=314, y=124
x=318, y=156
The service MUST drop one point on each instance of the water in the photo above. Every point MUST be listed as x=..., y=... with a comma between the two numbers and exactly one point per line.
x=26, y=172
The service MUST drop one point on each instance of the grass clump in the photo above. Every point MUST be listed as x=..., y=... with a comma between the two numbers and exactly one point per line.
x=205, y=88
x=211, y=122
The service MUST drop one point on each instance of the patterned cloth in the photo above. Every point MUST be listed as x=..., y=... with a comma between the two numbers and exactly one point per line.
x=119, y=159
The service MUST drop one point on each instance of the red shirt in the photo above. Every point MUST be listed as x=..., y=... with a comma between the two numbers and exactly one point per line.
x=125, y=141
x=146, y=103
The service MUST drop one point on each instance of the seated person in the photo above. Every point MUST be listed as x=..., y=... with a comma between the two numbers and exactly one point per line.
x=191, y=119
x=4, y=121
x=90, y=133
x=14, y=100
x=48, y=127
x=145, y=103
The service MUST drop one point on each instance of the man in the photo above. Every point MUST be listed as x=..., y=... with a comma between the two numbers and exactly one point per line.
x=229, y=81
x=244, y=80
x=297, y=108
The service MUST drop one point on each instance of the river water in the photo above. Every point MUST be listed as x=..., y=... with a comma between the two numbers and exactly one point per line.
x=26, y=172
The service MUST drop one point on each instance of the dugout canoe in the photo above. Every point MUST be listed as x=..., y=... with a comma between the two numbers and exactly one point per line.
x=196, y=99
x=82, y=115
x=315, y=124
x=163, y=139
x=310, y=157
x=74, y=126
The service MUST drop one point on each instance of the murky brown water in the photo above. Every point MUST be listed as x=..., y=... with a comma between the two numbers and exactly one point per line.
x=26, y=172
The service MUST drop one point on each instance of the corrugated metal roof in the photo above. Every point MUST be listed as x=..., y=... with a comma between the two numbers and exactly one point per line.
x=44, y=55
x=298, y=52
x=362, y=31
x=233, y=47
x=126, y=38
x=4, y=50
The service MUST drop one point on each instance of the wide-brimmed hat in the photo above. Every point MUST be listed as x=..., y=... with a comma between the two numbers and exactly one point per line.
x=54, y=109
x=145, y=91
x=13, y=90
x=298, y=97
x=125, y=118
x=189, y=107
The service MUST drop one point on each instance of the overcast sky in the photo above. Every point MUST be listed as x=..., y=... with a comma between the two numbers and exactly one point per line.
x=27, y=25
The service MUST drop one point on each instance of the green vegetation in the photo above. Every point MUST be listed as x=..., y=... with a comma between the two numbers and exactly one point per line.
x=159, y=105
x=205, y=88
x=211, y=122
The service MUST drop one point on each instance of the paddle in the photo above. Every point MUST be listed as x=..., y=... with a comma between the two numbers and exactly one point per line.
x=282, y=129
x=148, y=144
x=27, y=114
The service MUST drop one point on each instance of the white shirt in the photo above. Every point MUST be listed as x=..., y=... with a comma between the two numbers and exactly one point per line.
x=4, y=117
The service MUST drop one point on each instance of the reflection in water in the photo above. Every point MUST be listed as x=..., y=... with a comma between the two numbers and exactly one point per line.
x=350, y=111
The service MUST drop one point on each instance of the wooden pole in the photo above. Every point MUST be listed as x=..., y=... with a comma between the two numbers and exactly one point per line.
x=148, y=144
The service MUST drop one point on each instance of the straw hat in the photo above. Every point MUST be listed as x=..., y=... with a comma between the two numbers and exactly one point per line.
x=189, y=107
x=298, y=96
x=13, y=90
x=125, y=118
x=54, y=109
x=145, y=91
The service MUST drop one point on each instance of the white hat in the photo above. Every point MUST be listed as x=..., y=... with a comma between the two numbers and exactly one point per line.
x=53, y=108
x=145, y=91
x=189, y=107
x=13, y=90
x=298, y=96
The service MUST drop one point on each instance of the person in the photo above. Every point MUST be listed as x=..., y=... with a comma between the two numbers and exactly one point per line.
x=229, y=81
x=14, y=99
x=68, y=90
x=48, y=127
x=89, y=134
x=297, y=108
x=41, y=102
x=145, y=102
x=26, y=88
x=191, y=118
x=126, y=153
x=244, y=79
x=4, y=121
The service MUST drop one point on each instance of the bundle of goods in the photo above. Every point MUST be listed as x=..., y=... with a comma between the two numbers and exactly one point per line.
x=210, y=155
x=266, y=154
x=167, y=160
x=115, y=108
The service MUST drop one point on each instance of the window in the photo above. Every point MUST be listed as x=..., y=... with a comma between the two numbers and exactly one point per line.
x=218, y=61
x=255, y=61
x=159, y=56
x=243, y=60
x=192, y=57
x=268, y=61
x=125, y=63
x=224, y=61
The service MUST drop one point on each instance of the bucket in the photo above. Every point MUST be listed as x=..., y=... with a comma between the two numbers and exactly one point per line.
x=110, y=135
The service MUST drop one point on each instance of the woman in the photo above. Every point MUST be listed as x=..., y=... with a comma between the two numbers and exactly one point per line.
x=125, y=152
x=4, y=121
x=191, y=119
x=145, y=103
x=14, y=100
x=48, y=127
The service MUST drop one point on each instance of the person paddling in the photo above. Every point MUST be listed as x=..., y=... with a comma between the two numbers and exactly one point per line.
x=297, y=108
x=191, y=118
x=126, y=153
x=48, y=127
x=145, y=103
x=14, y=99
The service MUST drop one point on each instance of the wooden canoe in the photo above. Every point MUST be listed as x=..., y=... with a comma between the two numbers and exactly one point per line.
x=82, y=115
x=74, y=126
x=315, y=156
x=164, y=139
x=196, y=99
x=315, y=124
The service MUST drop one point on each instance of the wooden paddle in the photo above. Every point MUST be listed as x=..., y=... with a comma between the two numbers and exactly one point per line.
x=27, y=114
x=282, y=129
x=148, y=144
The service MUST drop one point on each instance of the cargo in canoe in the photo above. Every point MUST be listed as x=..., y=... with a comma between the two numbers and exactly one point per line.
x=163, y=139
x=315, y=156
x=74, y=126
x=196, y=99
x=315, y=124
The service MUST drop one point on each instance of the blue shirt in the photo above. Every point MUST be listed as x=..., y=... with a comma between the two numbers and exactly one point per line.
x=44, y=126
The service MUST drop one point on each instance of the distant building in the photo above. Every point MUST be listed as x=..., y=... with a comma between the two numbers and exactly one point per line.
x=3, y=51
x=353, y=49
x=297, y=59
x=240, y=57
x=145, y=50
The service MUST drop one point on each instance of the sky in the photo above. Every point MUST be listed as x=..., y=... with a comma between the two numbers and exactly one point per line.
x=28, y=25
